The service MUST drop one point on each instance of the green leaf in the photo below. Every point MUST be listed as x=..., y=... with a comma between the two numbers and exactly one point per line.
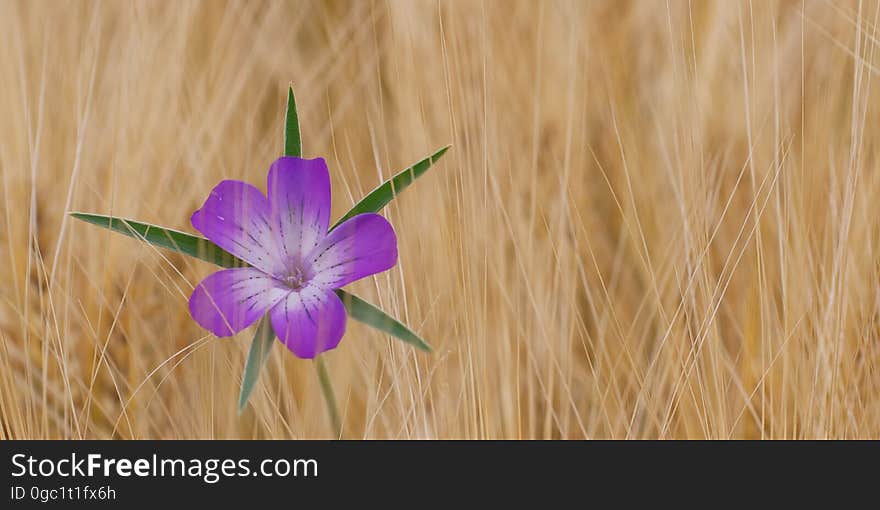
x=204, y=249
x=261, y=346
x=385, y=193
x=292, y=140
x=188, y=244
x=329, y=396
x=365, y=312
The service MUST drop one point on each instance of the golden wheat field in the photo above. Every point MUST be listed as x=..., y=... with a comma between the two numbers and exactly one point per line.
x=658, y=219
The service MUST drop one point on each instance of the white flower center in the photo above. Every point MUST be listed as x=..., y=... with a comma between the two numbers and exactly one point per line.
x=296, y=278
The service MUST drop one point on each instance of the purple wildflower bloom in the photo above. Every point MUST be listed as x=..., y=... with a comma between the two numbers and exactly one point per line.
x=295, y=262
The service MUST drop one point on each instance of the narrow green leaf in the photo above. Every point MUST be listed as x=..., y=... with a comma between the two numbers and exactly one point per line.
x=261, y=346
x=191, y=245
x=329, y=396
x=292, y=140
x=365, y=312
x=204, y=249
x=385, y=193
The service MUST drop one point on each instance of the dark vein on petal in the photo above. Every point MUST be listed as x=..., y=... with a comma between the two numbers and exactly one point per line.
x=306, y=309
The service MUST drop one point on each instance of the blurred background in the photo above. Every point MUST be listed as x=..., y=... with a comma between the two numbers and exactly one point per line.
x=657, y=220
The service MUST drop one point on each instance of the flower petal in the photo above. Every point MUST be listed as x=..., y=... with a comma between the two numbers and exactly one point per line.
x=228, y=301
x=309, y=321
x=236, y=217
x=363, y=245
x=299, y=196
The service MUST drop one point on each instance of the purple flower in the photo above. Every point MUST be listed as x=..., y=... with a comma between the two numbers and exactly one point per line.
x=295, y=262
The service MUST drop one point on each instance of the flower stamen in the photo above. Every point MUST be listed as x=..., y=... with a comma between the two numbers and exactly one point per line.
x=296, y=278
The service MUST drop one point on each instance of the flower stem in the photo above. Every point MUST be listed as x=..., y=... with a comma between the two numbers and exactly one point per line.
x=329, y=397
